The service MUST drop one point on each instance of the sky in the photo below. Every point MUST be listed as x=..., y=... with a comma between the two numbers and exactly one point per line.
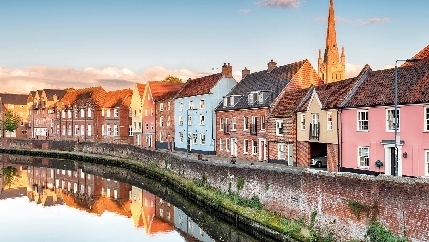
x=114, y=44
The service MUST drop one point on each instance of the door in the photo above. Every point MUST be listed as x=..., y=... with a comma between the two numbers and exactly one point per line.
x=149, y=141
x=392, y=161
x=138, y=139
x=262, y=150
x=234, y=147
x=290, y=154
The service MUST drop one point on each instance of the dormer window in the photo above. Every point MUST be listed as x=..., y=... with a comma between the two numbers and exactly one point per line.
x=231, y=101
x=225, y=101
x=251, y=98
x=262, y=96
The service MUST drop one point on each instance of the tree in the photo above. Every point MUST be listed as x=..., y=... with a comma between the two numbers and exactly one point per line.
x=9, y=175
x=10, y=122
x=172, y=79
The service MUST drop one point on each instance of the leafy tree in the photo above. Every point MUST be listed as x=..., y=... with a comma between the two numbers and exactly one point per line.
x=172, y=79
x=10, y=122
x=9, y=175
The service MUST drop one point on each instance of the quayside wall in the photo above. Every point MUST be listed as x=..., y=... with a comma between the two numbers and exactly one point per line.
x=344, y=202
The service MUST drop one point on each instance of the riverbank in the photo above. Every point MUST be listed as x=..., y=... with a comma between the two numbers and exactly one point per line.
x=337, y=204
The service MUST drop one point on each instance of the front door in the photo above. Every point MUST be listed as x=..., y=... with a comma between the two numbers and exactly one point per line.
x=234, y=147
x=262, y=150
x=149, y=140
x=392, y=161
x=290, y=154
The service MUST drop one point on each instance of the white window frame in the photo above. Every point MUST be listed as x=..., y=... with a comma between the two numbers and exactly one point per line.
x=194, y=138
x=225, y=101
x=234, y=124
x=393, y=120
x=263, y=124
x=202, y=104
x=109, y=130
x=103, y=132
x=360, y=156
x=82, y=113
x=115, y=130
x=168, y=121
x=426, y=159
x=202, y=139
x=181, y=106
x=161, y=107
x=254, y=147
x=189, y=120
x=181, y=137
x=245, y=123
x=161, y=121
x=82, y=130
x=329, y=122
x=168, y=106
x=89, y=133
x=227, y=144
x=220, y=123
x=360, y=120
x=108, y=113
x=191, y=105
x=220, y=144
x=281, y=151
x=76, y=129
x=279, y=125
x=202, y=119
x=245, y=146
x=180, y=121
x=426, y=119
x=115, y=113
x=89, y=112
x=302, y=121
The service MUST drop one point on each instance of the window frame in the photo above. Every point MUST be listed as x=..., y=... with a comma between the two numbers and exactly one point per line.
x=329, y=123
x=278, y=122
x=254, y=147
x=359, y=156
x=426, y=159
x=245, y=123
x=234, y=124
x=220, y=123
x=245, y=146
x=220, y=144
x=426, y=119
x=202, y=104
x=181, y=139
x=281, y=148
x=360, y=121
x=202, y=138
x=393, y=120
x=302, y=121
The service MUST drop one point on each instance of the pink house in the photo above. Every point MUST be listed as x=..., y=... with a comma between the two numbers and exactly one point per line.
x=367, y=122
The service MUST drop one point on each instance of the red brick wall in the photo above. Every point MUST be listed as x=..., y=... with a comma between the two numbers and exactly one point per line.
x=165, y=130
x=289, y=136
x=240, y=134
x=332, y=157
x=303, y=153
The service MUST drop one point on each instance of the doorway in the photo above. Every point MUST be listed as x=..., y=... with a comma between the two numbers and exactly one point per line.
x=234, y=147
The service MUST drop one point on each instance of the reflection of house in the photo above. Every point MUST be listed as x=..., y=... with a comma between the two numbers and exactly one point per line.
x=191, y=230
x=16, y=103
x=164, y=211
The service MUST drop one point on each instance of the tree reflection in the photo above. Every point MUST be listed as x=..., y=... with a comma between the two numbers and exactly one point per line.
x=8, y=175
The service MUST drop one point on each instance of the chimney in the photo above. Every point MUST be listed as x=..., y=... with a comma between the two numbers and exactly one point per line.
x=245, y=72
x=271, y=65
x=227, y=70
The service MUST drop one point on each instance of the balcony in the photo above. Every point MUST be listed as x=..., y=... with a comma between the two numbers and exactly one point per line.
x=314, y=132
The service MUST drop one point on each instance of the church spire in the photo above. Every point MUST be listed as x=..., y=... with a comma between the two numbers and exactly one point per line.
x=332, y=68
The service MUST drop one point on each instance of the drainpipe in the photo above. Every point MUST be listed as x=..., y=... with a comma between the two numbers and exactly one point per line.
x=296, y=139
x=339, y=139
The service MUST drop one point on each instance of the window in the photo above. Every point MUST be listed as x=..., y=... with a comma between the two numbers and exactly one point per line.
x=102, y=112
x=109, y=130
x=82, y=113
x=246, y=123
x=262, y=122
x=108, y=113
x=194, y=138
x=203, y=139
x=254, y=125
x=180, y=120
x=279, y=127
x=145, y=112
x=363, y=153
x=168, y=106
x=161, y=107
x=234, y=124
x=89, y=130
x=225, y=101
x=82, y=130
x=147, y=125
x=390, y=121
x=76, y=129
x=140, y=125
x=103, y=132
x=426, y=118
x=245, y=146
x=57, y=128
x=181, y=137
x=302, y=121
x=69, y=113
x=329, y=121
x=220, y=144
x=115, y=130
x=314, y=128
x=161, y=123
x=363, y=120
x=63, y=114
x=220, y=123
x=70, y=130
x=115, y=112
x=168, y=121
x=231, y=101
x=254, y=147
x=151, y=112
x=427, y=162
x=227, y=144
x=76, y=113
x=89, y=113
x=261, y=97
x=202, y=120
x=251, y=98
x=281, y=151
x=130, y=130
x=181, y=106
x=151, y=125
x=191, y=105
x=202, y=104
x=189, y=120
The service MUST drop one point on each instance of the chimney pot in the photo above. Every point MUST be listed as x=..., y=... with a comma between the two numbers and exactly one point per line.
x=271, y=65
x=227, y=70
x=245, y=72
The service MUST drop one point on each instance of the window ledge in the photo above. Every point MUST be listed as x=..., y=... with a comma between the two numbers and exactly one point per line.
x=363, y=167
x=365, y=131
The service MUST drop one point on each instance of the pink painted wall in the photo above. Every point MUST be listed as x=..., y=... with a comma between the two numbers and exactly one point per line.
x=148, y=105
x=411, y=131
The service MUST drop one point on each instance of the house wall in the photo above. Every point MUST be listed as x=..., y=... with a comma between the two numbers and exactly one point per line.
x=287, y=138
x=167, y=130
x=148, y=122
x=137, y=114
x=411, y=131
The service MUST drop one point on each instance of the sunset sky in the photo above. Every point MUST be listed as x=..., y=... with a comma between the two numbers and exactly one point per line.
x=59, y=44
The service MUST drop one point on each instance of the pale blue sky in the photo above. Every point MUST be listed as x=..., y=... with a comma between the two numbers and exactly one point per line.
x=198, y=35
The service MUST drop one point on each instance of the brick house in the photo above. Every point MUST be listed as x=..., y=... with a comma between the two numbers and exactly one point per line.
x=194, y=108
x=78, y=115
x=317, y=121
x=153, y=90
x=368, y=123
x=164, y=116
x=41, y=112
x=16, y=103
x=136, y=107
x=242, y=117
x=116, y=117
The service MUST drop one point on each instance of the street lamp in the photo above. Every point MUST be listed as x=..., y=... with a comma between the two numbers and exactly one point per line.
x=188, y=142
x=395, y=115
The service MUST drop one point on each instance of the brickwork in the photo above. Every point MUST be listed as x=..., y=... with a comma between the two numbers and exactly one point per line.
x=288, y=137
x=303, y=154
x=167, y=127
x=332, y=157
x=240, y=133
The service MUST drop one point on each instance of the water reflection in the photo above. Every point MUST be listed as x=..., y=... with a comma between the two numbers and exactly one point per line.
x=48, y=182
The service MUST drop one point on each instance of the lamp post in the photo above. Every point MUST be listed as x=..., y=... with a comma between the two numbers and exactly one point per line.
x=188, y=142
x=395, y=114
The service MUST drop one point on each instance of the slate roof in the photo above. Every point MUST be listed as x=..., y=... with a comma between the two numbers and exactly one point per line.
x=162, y=90
x=199, y=86
x=290, y=101
x=118, y=98
x=74, y=96
x=378, y=87
x=16, y=99
x=51, y=92
x=274, y=81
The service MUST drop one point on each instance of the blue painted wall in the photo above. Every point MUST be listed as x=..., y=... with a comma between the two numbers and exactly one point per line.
x=211, y=101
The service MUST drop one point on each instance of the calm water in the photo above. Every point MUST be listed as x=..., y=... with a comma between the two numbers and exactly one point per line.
x=56, y=200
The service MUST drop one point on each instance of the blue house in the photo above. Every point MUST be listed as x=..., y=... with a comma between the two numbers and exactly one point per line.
x=194, y=114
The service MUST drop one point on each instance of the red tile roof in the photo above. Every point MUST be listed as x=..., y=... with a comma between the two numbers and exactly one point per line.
x=378, y=87
x=290, y=101
x=118, y=98
x=423, y=54
x=141, y=88
x=77, y=96
x=199, y=86
x=162, y=90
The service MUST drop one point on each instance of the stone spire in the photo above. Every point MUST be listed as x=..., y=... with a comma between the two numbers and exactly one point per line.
x=332, y=68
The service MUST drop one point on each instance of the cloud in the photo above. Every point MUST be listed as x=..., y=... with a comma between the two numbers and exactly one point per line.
x=352, y=70
x=373, y=21
x=279, y=3
x=110, y=78
x=244, y=10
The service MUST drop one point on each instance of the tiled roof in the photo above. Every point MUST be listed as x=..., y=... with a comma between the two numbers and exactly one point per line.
x=423, y=54
x=118, y=98
x=274, y=81
x=141, y=88
x=51, y=92
x=16, y=99
x=333, y=94
x=75, y=96
x=289, y=102
x=199, y=86
x=161, y=89
x=378, y=87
